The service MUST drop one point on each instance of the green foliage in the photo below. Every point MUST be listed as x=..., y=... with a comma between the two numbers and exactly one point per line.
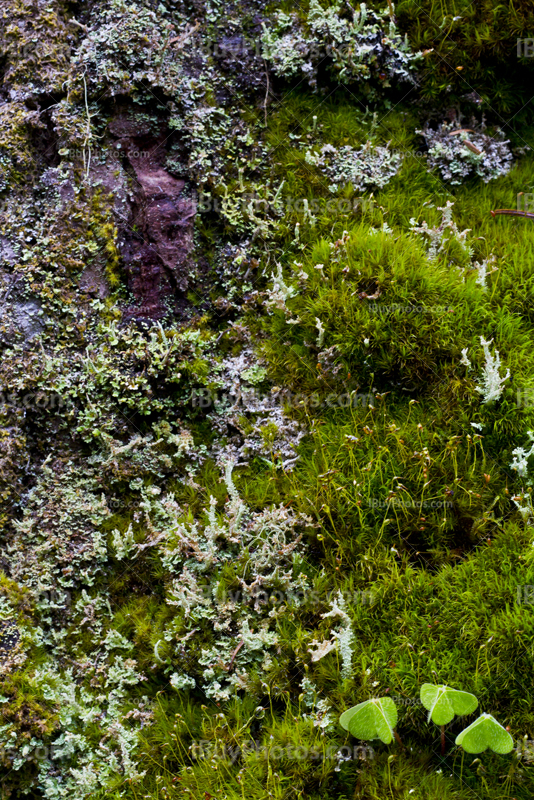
x=475, y=50
x=133, y=625
x=362, y=47
x=443, y=703
x=485, y=732
x=373, y=719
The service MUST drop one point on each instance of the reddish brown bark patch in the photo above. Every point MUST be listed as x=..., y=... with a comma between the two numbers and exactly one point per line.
x=157, y=241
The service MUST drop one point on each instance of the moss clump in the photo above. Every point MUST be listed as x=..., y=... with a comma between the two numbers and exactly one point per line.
x=16, y=152
x=102, y=236
x=477, y=56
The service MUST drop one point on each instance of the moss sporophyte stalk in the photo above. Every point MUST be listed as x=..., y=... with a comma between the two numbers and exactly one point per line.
x=266, y=400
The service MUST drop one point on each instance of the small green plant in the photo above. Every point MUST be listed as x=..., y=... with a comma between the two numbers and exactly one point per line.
x=485, y=732
x=376, y=718
x=373, y=719
x=442, y=703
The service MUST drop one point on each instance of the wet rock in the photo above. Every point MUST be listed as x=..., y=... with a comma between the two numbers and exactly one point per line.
x=7, y=252
x=52, y=178
x=19, y=313
x=109, y=177
x=242, y=59
x=93, y=281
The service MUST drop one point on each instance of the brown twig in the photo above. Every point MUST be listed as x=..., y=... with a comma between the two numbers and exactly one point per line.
x=472, y=147
x=236, y=651
x=79, y=24
x=185, y=36
x=266, y=92
x=512, y=212
x=398, y=739
x=467, y=143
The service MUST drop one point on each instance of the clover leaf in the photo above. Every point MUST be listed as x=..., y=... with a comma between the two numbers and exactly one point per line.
x=372, y=719
x=485, y=732
x=443, y=703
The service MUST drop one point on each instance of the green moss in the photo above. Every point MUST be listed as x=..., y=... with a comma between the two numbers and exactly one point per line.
x=16, y=152
x=102, y=237
x=336, y=308
x=474, y=47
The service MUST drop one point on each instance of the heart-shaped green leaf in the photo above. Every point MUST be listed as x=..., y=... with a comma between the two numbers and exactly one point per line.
x=443, y=703
x=485, y=732
x=364, y=719
x=372, y=719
